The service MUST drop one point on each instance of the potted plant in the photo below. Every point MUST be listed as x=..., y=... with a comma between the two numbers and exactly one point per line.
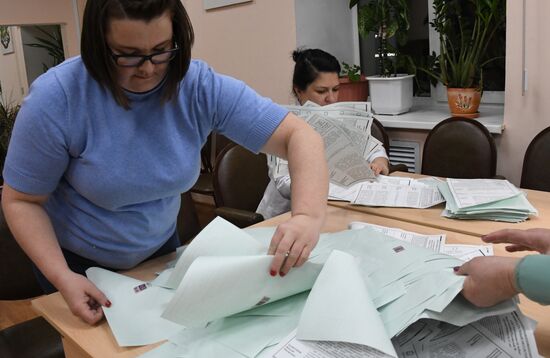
x=465, y=30
x=353, y=85
x=391, y=93
x=8, y=112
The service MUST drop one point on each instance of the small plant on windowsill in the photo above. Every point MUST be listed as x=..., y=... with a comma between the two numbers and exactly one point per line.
x=353, y=85
x=353, y=72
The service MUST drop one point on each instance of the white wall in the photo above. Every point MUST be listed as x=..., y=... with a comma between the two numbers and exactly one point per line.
x=329, y=25
x=527, y=114
x=12, y=86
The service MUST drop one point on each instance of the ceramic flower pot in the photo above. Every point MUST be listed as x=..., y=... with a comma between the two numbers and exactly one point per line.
x=391, y=95
x=464, y=102
x=353, y=90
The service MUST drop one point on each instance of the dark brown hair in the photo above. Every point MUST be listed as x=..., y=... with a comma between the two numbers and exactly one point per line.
x=309, y=62
x=96, y=55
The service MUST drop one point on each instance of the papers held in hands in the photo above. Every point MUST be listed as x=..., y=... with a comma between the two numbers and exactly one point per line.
x=485, y=199
x=348, y=142
x=370, y=288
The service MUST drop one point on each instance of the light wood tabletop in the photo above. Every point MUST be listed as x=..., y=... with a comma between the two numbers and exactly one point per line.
x=83, y=340
x=432, y=216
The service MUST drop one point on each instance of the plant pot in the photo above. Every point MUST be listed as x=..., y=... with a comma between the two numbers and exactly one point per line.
x=391, y=95
x=464, y=102
x=353, y=90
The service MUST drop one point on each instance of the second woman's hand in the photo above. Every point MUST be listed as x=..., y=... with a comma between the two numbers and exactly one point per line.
x=292, y=243
x=84, y=299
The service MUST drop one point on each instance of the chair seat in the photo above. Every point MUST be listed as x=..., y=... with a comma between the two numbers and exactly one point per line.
x=31, y=339
x=204, y=184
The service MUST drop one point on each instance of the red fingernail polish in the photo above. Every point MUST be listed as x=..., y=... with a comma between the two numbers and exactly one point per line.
x=456, y=268
x=108, y=304
x=273, y=273
x=282, y=274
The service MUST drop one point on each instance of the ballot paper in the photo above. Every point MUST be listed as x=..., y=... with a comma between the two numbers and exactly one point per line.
x=346, y=131
x=414, y=195
x=365, y=287
x=473, y=192
x=485, y=199
x=291, y=347
x=432, y=242
x=345, y=152
x=509, y=335
x=466, y=252
x=134, y=316
x=244, y=281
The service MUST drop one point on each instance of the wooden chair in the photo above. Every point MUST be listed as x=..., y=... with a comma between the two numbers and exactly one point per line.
x=240, y=179
x=535, y=174
x=460, y=148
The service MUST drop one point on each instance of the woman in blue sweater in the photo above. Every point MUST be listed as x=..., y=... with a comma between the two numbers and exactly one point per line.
x=105, y=143
x=494, y=279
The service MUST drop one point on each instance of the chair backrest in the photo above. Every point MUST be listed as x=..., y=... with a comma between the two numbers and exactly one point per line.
x=17, y=280
x=188, y=225
x=535, y=173
x=459, y=148
x=377, y=131
x=240, y=178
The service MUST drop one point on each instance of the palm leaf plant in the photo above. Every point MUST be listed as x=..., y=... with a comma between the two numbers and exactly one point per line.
x=465, y=29
x=52, y=42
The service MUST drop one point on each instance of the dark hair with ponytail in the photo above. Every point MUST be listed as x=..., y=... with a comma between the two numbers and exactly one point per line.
x=309, y=62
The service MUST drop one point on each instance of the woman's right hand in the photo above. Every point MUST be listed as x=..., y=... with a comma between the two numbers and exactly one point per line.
x=521, y=240
x=83, y=297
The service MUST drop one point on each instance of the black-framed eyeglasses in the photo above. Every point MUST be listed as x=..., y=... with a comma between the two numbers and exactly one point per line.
x=138, y=60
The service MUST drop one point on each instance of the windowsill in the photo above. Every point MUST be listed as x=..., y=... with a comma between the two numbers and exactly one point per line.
x=425, y=114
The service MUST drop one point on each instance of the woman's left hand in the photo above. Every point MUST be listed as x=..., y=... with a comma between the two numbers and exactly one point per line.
x=380, y=165
x=489, y=280
x=293, y=241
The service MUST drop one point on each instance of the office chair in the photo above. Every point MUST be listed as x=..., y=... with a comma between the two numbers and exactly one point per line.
x=240, y=179
x=187, y=225
x=460, y=148
x=35, y=337
x=215, y=143
x=535, y=174
x=377, y=131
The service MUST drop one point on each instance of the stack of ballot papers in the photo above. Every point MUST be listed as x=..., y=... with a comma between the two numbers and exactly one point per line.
x=346, y=131
x=359, y=292
x=433, y=242
x=485, y=199
x=391, y=192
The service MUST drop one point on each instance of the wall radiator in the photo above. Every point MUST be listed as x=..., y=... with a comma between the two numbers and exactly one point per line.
x=405, y=152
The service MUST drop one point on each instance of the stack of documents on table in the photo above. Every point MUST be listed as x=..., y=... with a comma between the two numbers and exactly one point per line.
x=359, y=288
x=346, y=131
x=391, y=192
x=485, y=199
x=508, y=335
x=433, y=242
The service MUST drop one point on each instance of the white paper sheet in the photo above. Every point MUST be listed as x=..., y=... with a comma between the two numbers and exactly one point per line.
x=135, y=315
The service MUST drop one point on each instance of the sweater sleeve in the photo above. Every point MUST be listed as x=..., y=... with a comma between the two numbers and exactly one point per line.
x=532, y=278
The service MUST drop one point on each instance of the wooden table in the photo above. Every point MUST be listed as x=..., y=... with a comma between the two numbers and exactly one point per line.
x=82, y=340
x=432, y=216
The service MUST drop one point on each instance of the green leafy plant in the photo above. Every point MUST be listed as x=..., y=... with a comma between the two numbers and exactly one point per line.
x=386, y=19
x=8, y=112
x=465, y=30
x=353, y=72
x=52, y=42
